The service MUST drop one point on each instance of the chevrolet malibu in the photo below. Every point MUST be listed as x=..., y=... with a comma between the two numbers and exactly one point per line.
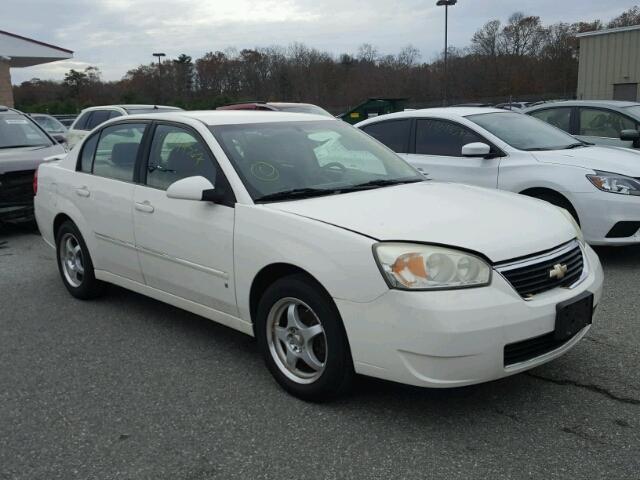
x=333, y=252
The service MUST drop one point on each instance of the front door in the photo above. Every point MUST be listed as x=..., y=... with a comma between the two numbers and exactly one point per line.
x=185, y=247
x=438, y=154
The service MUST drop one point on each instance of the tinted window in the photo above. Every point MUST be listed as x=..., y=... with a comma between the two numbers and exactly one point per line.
x=393, y=134
x=114, y=114
x=19, y=131
x=437, y=137
x=603, y=123
x=176, y=154
x=81, y=123
x=88, y=151
x=558, y=117
x=98, y=117
x=117, y=151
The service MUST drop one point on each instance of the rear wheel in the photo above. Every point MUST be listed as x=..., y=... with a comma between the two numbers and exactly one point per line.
x=74, y=263
x=302, y=339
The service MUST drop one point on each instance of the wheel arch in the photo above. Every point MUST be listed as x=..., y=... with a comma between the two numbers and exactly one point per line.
x=547, y=194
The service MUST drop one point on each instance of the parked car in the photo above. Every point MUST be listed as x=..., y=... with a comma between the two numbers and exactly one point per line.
x=66, y=120
x=603, y=122
x=494, y=148
x=90, y=118
x=249, y=220
x=516, y=106
x=53, y=127
x=278, y=107
x=23, y=146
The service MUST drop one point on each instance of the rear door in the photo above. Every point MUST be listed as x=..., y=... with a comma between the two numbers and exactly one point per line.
x=438, y=154
x=603, y=126
x=185, y=247
x=103, y=192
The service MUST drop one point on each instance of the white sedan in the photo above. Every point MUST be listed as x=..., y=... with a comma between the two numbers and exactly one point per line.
x=494, y=148
x=333, y=251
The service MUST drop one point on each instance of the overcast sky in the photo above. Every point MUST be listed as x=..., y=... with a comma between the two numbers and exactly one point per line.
x=116, y=35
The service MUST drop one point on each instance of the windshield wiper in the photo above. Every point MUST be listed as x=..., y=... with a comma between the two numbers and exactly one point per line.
x=21, y=146
x=296, y=193
x=575, y=145
x=380, y=183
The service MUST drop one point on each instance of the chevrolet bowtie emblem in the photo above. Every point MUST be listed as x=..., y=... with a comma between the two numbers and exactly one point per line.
x=558, y=271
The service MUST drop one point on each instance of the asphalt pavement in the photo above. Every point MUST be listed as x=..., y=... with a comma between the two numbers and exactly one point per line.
x=126, y=387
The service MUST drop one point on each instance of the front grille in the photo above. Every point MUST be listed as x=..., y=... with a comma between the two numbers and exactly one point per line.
x=16, y=188
x=540, y=273
x=534, y=347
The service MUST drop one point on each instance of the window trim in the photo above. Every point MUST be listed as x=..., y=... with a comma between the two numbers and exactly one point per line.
x=603, y=109
x=407, y=143
x=81, y=152
x=221, y=181
x=497, y=151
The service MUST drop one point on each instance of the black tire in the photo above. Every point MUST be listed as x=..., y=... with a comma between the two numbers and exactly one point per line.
x=557, y=200
x=337, y=374
x=89, y=287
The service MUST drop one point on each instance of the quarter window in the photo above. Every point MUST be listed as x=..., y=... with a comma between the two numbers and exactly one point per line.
x=437, y=137
x=117, y=151
x=81, y=122
x=558, y=117
x=394, y=134
x=98, y=117
x=603, y=123
x=175, y=154
x=88, y=152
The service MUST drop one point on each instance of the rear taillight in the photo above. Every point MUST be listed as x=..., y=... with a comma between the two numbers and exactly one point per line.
x=35, y=182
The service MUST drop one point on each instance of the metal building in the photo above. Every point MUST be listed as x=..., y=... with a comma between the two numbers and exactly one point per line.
x=17, y=51
x=609, y=64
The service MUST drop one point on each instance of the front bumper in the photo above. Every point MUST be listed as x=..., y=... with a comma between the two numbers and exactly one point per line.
x=599, y=212
x=454, y=338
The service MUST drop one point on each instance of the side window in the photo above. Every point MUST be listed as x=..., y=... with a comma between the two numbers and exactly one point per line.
x=81, y=123
x=117, y=151
x=114, y=114
x=603, y=123
x=98, y=117
x=175, y=154
x=394, y=134
x=437, y=137
x=558, y=117
x=88, y=152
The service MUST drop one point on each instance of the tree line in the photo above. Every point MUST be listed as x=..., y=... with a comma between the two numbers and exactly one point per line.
x=522, y=59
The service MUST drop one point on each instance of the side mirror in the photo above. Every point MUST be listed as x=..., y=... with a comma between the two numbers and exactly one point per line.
x=630, y=135
x=193, y=188
x=477, y=149
x=59, y=137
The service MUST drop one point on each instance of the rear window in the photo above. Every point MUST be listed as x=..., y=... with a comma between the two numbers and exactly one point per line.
x=19, y=131
x=393, y=134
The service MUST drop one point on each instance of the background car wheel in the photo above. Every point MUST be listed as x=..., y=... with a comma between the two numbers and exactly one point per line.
x=302, y=339
x=74, y=263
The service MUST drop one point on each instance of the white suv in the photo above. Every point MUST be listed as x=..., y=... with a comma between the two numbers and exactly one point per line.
x=599, y=186
x=91, y=117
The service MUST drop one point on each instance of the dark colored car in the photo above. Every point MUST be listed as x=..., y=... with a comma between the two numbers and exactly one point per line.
x=278, y=107
x=23, y=146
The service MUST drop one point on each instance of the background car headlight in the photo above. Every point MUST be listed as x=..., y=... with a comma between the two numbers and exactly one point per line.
x=614, y=183
x=409, y=266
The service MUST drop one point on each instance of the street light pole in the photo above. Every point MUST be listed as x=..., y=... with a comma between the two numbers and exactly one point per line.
x=446, y=4
x=159, y=55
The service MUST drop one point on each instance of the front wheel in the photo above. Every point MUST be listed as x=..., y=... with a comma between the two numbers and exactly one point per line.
x=74, y=263
x=302, y=339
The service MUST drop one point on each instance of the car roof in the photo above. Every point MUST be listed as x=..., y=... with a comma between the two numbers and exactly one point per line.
x=441, y=112
x=615, y=104
x=131, y=106
x=233, y=117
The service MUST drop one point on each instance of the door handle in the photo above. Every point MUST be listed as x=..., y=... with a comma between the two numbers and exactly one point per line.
x=145, y=207
x=83, y=191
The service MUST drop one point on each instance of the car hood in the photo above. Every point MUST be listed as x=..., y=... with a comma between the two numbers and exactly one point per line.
x=499, y=225
x=26, y=158
x=624, y=161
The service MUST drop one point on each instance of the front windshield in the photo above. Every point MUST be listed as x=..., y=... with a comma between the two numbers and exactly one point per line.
x=50, y=124
x=18, y=131
x=304, y=109
x=633, y=110
x=322, y=157
x=524, y=132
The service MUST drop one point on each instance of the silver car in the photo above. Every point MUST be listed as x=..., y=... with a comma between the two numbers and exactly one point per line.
x=603, y=122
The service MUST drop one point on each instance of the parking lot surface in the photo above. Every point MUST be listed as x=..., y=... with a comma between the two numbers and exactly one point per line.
x=126, y=387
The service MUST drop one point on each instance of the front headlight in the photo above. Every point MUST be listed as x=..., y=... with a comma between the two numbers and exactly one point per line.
x=408, y=266
x=579, y=234
x=614, y=183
